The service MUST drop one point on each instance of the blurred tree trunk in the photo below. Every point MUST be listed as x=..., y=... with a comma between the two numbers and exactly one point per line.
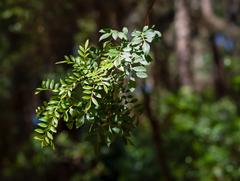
x=113, y=14
x=49, y=41
x=157, y=139
x=216, y=24
x=233, y=7
x=159, y=70
x=219, y=80
x=162, y=50
x=107, y=16
x=160, y=67
x=183, y=38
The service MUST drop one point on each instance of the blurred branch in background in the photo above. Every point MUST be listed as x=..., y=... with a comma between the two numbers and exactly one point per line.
x=219, y=72
x=214, y=23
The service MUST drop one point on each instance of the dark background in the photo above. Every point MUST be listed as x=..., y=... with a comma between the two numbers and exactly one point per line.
x=190, y=129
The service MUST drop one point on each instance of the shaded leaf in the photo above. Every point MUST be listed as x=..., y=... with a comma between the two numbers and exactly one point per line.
x=146, y=47
x=88, y=106
x=95, y=101
x=49, y=135
x=141, y=75
x=39, y=131
x=139, y=69
x=104, y=36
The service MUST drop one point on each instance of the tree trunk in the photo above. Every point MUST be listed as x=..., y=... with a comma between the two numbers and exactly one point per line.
x=157, y=138
x=183, y=38
x=219, y=80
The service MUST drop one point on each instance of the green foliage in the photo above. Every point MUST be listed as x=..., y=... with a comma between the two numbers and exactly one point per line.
x=98, y=92
x=205, y=132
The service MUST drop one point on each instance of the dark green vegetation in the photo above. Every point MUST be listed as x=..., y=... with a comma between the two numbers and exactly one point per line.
x=189, y=126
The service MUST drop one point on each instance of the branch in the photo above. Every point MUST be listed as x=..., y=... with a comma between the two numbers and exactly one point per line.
x=215, y=23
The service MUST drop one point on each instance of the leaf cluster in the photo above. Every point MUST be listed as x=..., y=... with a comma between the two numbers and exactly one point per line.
x=98, y=91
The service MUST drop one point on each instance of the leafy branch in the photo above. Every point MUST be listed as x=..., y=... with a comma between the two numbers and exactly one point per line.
x=98, y=92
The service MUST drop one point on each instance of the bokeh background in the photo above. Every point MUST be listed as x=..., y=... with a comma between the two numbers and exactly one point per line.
x=190, y=130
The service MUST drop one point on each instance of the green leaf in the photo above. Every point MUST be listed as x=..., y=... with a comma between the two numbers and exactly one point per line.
x=53, y=129
x=38, y=138
x=65, y=116
x=121, y=68
x=132, y=89
x=87, y=92
x=117, y=62
x=149, y=36
x=121, y=35
x=158, y=34
x=109, y=141
x=88, y=106
x=105, y=88
x=136, y=40
x=47, y=140
x=86, y=44
x=62, y=82
x=49, y=135
x=86, y=97
x=104, y=36
x=98, y=95
x=61, y=62
x=146, y=48
x=95, y=101
x=80, y=122
x=47, y=83
x=102, y=31
x=52, y=84
x=57, y=114
x=116, y=130
x=43, y=125
x=87, y=87
x=69, y=93
x=141, y=75
x=144, y=62
x=145, y=28
x=125, y=30
x=39, y=131
x=139, y=69
x=71, y=111
x=115, y=35
x=107, y=83
x=56, y=86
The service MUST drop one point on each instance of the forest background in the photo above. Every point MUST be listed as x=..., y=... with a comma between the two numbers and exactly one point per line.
x=190, y=128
